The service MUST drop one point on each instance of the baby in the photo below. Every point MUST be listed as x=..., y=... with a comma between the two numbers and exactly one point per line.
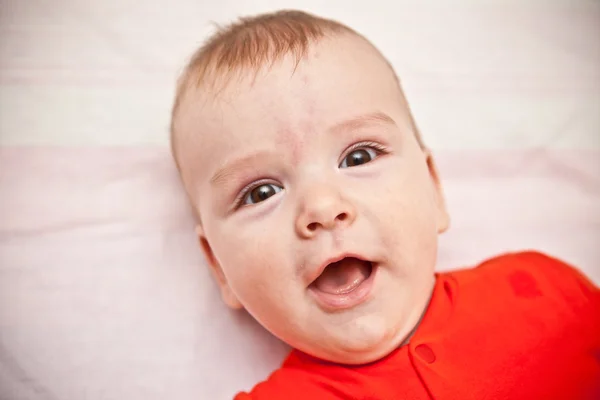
x=319, y=208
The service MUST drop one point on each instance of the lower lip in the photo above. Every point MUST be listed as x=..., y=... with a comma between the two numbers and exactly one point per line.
x=334, y=302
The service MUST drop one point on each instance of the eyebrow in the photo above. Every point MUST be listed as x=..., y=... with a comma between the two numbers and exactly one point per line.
x=363, y=120
x=224, y=174
x=376, y=118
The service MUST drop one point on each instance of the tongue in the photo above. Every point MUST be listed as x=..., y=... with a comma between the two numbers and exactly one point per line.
x=343, y=276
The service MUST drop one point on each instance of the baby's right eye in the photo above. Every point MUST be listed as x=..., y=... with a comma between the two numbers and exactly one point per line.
x=261, y=193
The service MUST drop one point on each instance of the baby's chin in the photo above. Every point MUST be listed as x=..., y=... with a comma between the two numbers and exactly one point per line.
x=369, y=339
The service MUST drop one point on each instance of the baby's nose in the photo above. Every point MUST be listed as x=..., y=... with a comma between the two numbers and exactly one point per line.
x=323, y=208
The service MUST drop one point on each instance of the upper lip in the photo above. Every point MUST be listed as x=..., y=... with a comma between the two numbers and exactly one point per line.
x=314, y=274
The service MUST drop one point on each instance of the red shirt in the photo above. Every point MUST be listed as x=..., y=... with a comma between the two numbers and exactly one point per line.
x=521, y=326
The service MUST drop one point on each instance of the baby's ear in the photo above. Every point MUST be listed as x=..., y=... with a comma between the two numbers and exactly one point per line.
x=226, y=293
x=442, y=216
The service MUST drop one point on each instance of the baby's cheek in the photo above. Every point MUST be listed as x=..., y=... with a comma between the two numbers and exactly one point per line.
x=251, y=262
x=394, y=198
x=263, y=287
x=406, y=217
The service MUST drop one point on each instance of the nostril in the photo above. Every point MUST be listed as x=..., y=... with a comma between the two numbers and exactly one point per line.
x=342, y=217
x=312, y=226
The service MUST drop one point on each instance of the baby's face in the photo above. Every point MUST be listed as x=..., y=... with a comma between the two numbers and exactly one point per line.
x=296, y=170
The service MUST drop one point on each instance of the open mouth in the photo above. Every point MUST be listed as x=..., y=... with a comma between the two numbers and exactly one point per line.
x=343, y=276
x=344, y=283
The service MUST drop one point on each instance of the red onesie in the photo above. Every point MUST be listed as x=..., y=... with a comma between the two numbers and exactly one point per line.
x=521, y=326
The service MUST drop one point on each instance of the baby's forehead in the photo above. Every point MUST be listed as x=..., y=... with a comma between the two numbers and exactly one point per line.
x=333, y=74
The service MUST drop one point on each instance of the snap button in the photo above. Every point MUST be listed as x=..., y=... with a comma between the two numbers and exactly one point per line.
x=425, y=353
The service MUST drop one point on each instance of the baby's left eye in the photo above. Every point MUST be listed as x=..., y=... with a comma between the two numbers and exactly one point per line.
x=359, y=156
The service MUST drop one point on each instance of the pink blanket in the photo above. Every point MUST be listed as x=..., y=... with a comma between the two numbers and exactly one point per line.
x=104, y=294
